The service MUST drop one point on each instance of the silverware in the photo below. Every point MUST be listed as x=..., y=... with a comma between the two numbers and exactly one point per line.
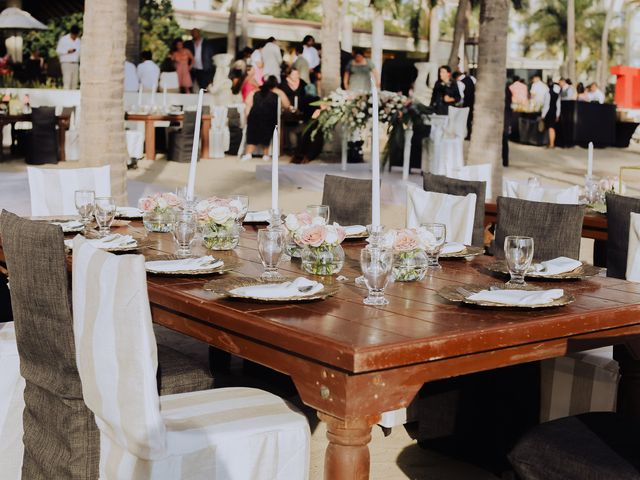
x=464, y=292
x=306, y=288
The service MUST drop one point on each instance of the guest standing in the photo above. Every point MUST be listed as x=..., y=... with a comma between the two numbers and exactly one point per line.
x=68, y=51
x=469, y=98
x=249, y=83
x=294, y=87
x=568, y=92
x=272, y=59
x=551, y=112
x=519, y=92
x=445, y=92
x=131, y=81
x=538, y=91
x=182, y=60
x=301, y=64
x=583, y=95
x=357, y=75
x=310, y=52
x=148, y=72
x=202, y=68
x=506, y=129
x=595, y=95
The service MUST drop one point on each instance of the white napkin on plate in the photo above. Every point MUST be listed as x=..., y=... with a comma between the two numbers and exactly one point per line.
x=556, y=266
x=280, y=290
x=115, y=240
x=452, y=247
x=201, y=263
x=69, y=226
x=518, y=297
x=354, y=230
x=131, y=212
x=261, y=216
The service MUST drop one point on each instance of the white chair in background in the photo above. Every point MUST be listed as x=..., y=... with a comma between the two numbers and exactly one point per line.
x=219, y=136
x=523, y=191
x=226, y=433
x=170, y=81
x=135, y=143
x=477, y=173
x=446, y=141
x=72, y=138
x=52, y=189
x=456, y=212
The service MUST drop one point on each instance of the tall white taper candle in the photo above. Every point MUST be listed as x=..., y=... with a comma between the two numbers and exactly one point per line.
x=375, y=158
x=275, y=153
x=191, y=184
x=164, y=95
x=590, y=160
x=140, y=95
x=153, y=93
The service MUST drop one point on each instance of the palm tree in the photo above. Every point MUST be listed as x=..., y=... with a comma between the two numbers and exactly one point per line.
x=330, y=45
x=133, y=30
x=231, y=27
x=102, y=137
x=460, y=27
x=571, y=38
x=244, y=25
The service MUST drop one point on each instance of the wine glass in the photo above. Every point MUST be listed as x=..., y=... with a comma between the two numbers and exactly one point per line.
x=243, y=200
x=376, y=264
x=105, y=212
x=271, y=245
x=518, y=252
x=435, y=238
x=85, y=204
x=184, y=230
x=321, y=211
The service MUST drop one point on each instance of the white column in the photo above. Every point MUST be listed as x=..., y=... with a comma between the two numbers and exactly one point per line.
x=346, y=36
x=377, y=37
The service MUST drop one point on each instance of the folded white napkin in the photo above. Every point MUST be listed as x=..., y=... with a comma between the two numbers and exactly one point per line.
x=201, y=263
x=556, y=266
x=130, y=212
x=69, y=226
x=452, y=247
x=114, y=240
x=261, y=216
x=280, y=290
x=518, y=297
x=355, y=230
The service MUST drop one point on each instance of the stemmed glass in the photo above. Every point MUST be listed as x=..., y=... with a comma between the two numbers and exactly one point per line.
x=85, y=204
x=105, y=212
x=375, y=237
x=437, y=234
x=244, y=201
x=271, y=245
x=322, y=211
x=376, y=264
x=518, y=252
x=184, y=230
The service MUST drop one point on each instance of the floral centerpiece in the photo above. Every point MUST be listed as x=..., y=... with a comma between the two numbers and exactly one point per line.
x=219, y=221
x=322, y=253
x=295, y=224
x=158, y=211
x=410, y=259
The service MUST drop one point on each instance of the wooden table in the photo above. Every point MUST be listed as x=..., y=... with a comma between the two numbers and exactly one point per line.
x=352, y=362
x=63, y=126
x=149, y=120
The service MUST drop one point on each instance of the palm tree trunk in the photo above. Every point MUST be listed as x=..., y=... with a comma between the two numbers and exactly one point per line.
x=244, y=25
x=458, y=33
x=330, y=46
x=571, y=39
x=434, y=31
x=346, y=37
x=377, y=37
x=133, y=31
x=231, y=28
x=102, y=137
x=604, y=48
x=488, y=111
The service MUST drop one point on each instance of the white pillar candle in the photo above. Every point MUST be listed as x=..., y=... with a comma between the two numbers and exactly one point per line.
x=275, y=152
x=375, y=158
x=140, y=95
x=590, y=160
x=191, y=184
x=406, y=163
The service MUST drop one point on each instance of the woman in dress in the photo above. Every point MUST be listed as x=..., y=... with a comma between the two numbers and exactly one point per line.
x=357, y=75
x=262, y=116
x=445, y=92
x=551, y=112
x=182, y=60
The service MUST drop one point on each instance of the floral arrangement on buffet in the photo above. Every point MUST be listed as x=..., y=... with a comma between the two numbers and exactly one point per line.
x=158, y=211
x=219, y=220
x=409, y=247
x=12, y=104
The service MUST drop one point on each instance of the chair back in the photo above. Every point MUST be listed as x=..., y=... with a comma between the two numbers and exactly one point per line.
x=619, y=232
x=60, y=435
x=116, y=349
x=169, y=80
x=556, y=228
x=457, y=122
x=349, y=199
x=633, y=255
x=515, y=189
x=475, y=173
x=42, y=144
x=52, y=190
x=181, y=141
x=456, y=212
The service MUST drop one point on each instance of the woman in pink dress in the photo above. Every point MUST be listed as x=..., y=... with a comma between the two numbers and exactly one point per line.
x=182, y=60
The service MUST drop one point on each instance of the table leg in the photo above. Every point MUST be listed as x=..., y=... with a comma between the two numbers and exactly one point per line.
x=150, y=139
x=62, y=137
x=347, y=455
x=628, y=357
x=204, y=133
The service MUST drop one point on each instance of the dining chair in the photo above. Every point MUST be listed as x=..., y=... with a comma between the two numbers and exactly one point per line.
x=52, y=190
x=349, y=199
x=446, y=141
x=60, y=436
x=556, y=228
x=461, y=187
x=229, y=433
x=42, y=139
x=619, y=209
x=455, y=211
x=219, y=135
x=523, y=191
x=475, y=173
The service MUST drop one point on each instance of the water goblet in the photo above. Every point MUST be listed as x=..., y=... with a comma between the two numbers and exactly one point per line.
x=376, y=264
x=85, y=204
x=518, y=252
x=435, y=239
x=105, y=212
x=271, y=245
x=243, y=201
x=321, y=211
x=184, y=230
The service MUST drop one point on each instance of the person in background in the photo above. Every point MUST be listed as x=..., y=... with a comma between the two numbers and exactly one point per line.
x=182, y=60
x=551, y=112
x=35, y=67
x=242, y=59
x=595, y=94
x=445, y=92
x=310, y=52
x=538, y=90
x=301, y=64
x=345, y=58
x=131, y=81
x=461, y=86
x=293, y=86
x=357, y=75
x=202, y=68
x=272, y=59
x=68, y=51
x=568, y=92
x=469, y=98
x=583, y=95
x=506, y=129
x=257, y=63
x=249, y=83
x=519, y=91
x=148, y=72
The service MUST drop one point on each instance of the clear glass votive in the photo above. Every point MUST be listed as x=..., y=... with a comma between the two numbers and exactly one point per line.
x=436, y=239
x=376, y=264
x=271, y=244
x=375, y=237
x=185, y=227
x=322, y=211
x=518, y=252
x=85, y=204
x=105, y=212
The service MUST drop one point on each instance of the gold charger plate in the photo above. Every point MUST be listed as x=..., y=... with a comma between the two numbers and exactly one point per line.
x=584, y=271
x=469, y=251
x=141, y=242
x=227, y=266
x=459, y=294
x=125, y=216
x=357, y=236
x=224, y=287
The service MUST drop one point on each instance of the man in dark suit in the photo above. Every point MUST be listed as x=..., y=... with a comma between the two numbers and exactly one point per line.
x=203, y=68
x=469, y=98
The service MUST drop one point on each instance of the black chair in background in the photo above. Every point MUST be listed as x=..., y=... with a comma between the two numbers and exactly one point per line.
x=181, y=139
x=42, y=140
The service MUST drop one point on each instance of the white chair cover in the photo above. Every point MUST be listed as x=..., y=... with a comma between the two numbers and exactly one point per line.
x=72, y=140
x=11, y=405
x=170, y=80
x=515, y=189
x=633, y=253
x=52, y=189
x=219, y=135
x=457, y=123
x=478, y=173
x=230, y=433
x=135, y=143
x=446, y=141
x=456, y=212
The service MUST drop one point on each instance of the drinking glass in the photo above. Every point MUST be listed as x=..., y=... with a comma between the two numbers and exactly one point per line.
x=375, y=236
x=319, y=211
x=271, y=245
x=434, y=243
x=518, y=252
x=244, y=201
x=105, y=212
x=184, y=230
x=376, y=264
x=85, y=203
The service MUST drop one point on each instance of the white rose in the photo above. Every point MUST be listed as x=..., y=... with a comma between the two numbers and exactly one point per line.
x=427, y=239
x=318, y=221
x=291, y=222
x=332, y=235
x=220, y=215
x=162, y=203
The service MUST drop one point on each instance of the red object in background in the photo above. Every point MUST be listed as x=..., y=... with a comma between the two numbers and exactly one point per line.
x=627, y=86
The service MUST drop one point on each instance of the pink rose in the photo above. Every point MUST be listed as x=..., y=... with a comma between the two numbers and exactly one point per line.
x=406, y=240
x=313, y=236
x=304, y=218
x=172, y=199
x=146, y=204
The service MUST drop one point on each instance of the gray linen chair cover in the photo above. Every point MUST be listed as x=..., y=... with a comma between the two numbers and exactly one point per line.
x=593, y=446
x=556, y=229
x=61, y=439
x=454, y=186
x=619, y=209
x=348, y=198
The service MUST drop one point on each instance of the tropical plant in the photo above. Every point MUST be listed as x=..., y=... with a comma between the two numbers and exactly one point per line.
x=158, y=28
x=46, y=41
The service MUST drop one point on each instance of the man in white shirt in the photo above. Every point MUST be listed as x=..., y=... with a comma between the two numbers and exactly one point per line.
x=310, y=52
x=568, y=92
x=130, y=77
x=595, y=94
x=68, y=51
x=148, y=72
x=271, y=59
x=538, y=90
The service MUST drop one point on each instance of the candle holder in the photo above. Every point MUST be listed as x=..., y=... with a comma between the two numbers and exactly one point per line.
x=275, y=219
x=591, y=190
x=374, y=240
